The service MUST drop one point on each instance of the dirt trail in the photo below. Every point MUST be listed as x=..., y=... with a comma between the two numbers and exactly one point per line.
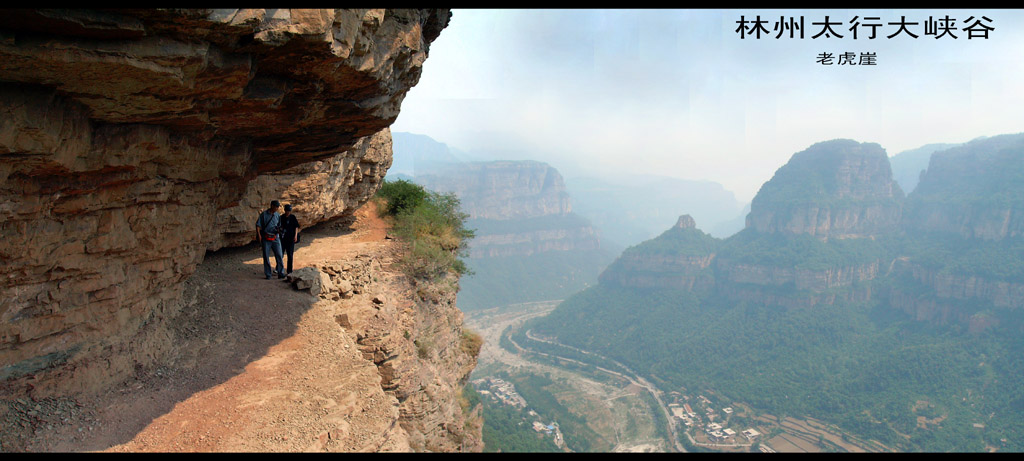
x=258, y=366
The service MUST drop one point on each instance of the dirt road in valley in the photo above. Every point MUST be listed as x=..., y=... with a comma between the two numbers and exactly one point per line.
x=492, y=322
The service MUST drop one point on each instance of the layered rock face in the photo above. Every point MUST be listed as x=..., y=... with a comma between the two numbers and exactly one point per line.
x=796, y=278
x=953, y=298
x=318, y=191
x=675, y=259
x=503, y=190
x=809, y=235
x=128, y=143
x=793, y=287
x=973, y=190
x=834, y=189
x=579, y=237
x=519, y=208
x=969, y=207
x=415, y=338
x=528, y=244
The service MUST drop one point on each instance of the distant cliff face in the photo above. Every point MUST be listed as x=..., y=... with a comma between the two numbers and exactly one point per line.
x=128, y=143
x=822, y=211
x=907, y=166
x=517, y=207
x=931, y=295
x=809, y=237
x=675, y=259
x=534, y=241
x=832, y=221
x=973, y=190
x=528, y=244
x=966, y=217
x=834, y=189
x=503, y=190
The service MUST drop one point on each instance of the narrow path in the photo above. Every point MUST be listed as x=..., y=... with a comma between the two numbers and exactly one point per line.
x=257, y=366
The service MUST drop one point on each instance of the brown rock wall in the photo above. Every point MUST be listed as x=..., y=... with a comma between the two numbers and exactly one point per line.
x=128, y=139
x=318, y=191
x=412, y=332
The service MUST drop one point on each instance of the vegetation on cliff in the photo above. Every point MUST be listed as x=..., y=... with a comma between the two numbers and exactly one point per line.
x=800, y=251
x=854, y=357
x=433, y=226
x=676, y=241
x=823, y=175
x=870, y=367
x=985, y=172
x=995, y=260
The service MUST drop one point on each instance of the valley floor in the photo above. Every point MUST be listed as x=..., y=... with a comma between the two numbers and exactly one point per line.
x=624, y=416
x=616, y=409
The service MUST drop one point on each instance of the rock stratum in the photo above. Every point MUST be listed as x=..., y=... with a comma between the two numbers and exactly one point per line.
x=529, y=245
x=676, y=258
x=134, y=140
x=503, y=190
x=838, y=286
x=966, y=217
x=833, y=189
x=809, y=236
x=833, y=226
x=518, y=207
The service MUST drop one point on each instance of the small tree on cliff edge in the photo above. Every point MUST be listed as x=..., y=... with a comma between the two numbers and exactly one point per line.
x=432, y=224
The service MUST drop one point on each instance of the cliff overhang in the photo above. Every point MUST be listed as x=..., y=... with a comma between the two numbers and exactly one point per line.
x=128, y=144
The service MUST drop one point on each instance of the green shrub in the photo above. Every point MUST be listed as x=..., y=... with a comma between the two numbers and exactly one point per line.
x=433, y=226
x=401, y=195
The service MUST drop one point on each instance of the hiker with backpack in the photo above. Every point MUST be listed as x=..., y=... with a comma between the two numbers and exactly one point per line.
x=269, y=230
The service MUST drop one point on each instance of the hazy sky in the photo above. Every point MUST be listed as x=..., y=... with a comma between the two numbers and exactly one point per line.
x=679, y=93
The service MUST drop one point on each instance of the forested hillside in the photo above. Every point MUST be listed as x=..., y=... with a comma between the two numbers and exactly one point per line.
x=895, y=318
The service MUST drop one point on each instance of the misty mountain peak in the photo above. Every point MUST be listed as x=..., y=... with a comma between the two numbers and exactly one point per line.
x=685, y=222
x=838, y=188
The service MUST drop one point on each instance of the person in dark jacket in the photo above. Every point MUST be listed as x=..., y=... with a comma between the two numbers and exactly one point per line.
x=268, y=228
x=290, y=224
